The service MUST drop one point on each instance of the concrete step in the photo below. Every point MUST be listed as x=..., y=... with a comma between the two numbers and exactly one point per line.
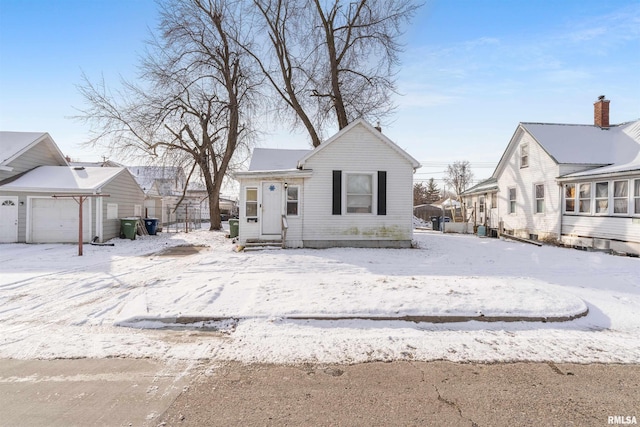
x=258, y=245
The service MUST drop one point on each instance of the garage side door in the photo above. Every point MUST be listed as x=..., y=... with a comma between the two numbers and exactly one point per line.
x=56, y=221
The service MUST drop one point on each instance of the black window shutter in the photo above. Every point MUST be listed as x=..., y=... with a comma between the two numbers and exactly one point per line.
x=382, y=192
x=337, y=193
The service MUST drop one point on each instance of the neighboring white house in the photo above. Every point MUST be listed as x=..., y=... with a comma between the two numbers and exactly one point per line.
x=578, y=184
x=33, y=170
x=355, y=189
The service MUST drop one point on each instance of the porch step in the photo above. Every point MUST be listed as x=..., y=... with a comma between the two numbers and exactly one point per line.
x=258, y=245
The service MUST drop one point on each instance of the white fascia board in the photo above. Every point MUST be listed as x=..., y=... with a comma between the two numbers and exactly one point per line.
x=307, y=173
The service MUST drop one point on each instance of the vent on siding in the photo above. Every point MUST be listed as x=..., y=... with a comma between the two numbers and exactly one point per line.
x=601, y=244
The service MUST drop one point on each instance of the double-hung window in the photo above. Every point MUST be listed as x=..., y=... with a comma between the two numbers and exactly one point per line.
x=292, y=200
x=585, y=197
x=602, y=197
x=539, y=194
x=620, y=197
x=359, y=193
x=512, y=200
x=481, y=203
x=251, y=202
x=636, y=196
x=569, y=198
x=524, y=155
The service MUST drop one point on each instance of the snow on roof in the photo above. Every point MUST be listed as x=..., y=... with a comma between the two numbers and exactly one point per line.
x=11, y=143
x=632, y=166
x=586, y=144
x=486, y=185
x=63, y=179
x=272, y=159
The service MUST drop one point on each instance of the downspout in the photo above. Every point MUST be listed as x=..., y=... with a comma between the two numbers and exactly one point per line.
x=560, y=207
x=99, y=217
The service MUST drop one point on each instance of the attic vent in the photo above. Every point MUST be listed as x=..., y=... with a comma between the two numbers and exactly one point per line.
x=78, y=168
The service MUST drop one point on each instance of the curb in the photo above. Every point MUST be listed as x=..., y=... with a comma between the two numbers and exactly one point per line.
x=189, y=320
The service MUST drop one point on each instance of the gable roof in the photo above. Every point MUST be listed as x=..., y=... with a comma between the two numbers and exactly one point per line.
x=584, y=144
x=271, y=159
x=378, y=134
x=14, y=144
x=580, y=144
x=630, y=164
x=63, y=179
x=486, y=186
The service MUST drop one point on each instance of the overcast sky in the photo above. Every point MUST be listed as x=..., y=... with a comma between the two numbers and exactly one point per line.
x=471, y=70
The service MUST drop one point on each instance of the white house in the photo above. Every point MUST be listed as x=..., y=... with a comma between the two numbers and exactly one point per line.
x=32, y=170
x=577, y=184
x=355, y=189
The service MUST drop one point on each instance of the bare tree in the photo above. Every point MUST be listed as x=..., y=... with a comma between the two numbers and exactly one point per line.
x=332, y=61
x=193, y=101
x=459, y=177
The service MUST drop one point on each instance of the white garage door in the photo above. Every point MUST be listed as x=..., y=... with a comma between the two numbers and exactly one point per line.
x=56, y=221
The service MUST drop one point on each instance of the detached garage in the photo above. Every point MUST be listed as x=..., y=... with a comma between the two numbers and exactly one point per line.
x=41, y=218
x=56, y=220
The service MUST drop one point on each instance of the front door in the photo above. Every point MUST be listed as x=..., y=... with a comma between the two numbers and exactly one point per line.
x=8, y=219
x=271, y=208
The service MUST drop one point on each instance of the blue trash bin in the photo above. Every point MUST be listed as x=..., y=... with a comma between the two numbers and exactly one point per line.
x=151, y=224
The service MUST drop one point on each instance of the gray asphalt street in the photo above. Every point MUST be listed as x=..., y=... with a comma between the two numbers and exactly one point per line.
x=129, y=392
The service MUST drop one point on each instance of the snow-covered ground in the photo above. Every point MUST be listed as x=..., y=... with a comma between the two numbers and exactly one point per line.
x=131, y=300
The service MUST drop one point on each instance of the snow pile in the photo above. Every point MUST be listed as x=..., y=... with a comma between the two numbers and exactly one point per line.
x=214, y=303
x=420, y=223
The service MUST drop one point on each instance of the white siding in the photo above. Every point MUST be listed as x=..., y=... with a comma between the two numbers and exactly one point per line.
x=602, y=227
x=543, y=170
x=252, y=230
x=358, y=151
x=489, y=216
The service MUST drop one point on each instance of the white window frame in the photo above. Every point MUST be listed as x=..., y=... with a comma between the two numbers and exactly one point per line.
x=625, y=198
x=345, y=197
x=597, y=199
x=524, y=156
x=494, y=200
x=296, y=200
x=568, y=198
x=481, y=204
x=512, y=202
x=636, y=196
x=112, y=211
x=587, y=199
x=253, y=202
x=537, y=208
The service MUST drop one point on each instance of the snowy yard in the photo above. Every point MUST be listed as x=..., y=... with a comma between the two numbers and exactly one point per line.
x=133, y=299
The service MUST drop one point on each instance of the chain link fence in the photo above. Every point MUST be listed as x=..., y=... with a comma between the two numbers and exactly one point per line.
x=183, y=218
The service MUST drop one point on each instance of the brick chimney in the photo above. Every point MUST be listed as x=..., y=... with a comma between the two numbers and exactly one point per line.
x=601, y=112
